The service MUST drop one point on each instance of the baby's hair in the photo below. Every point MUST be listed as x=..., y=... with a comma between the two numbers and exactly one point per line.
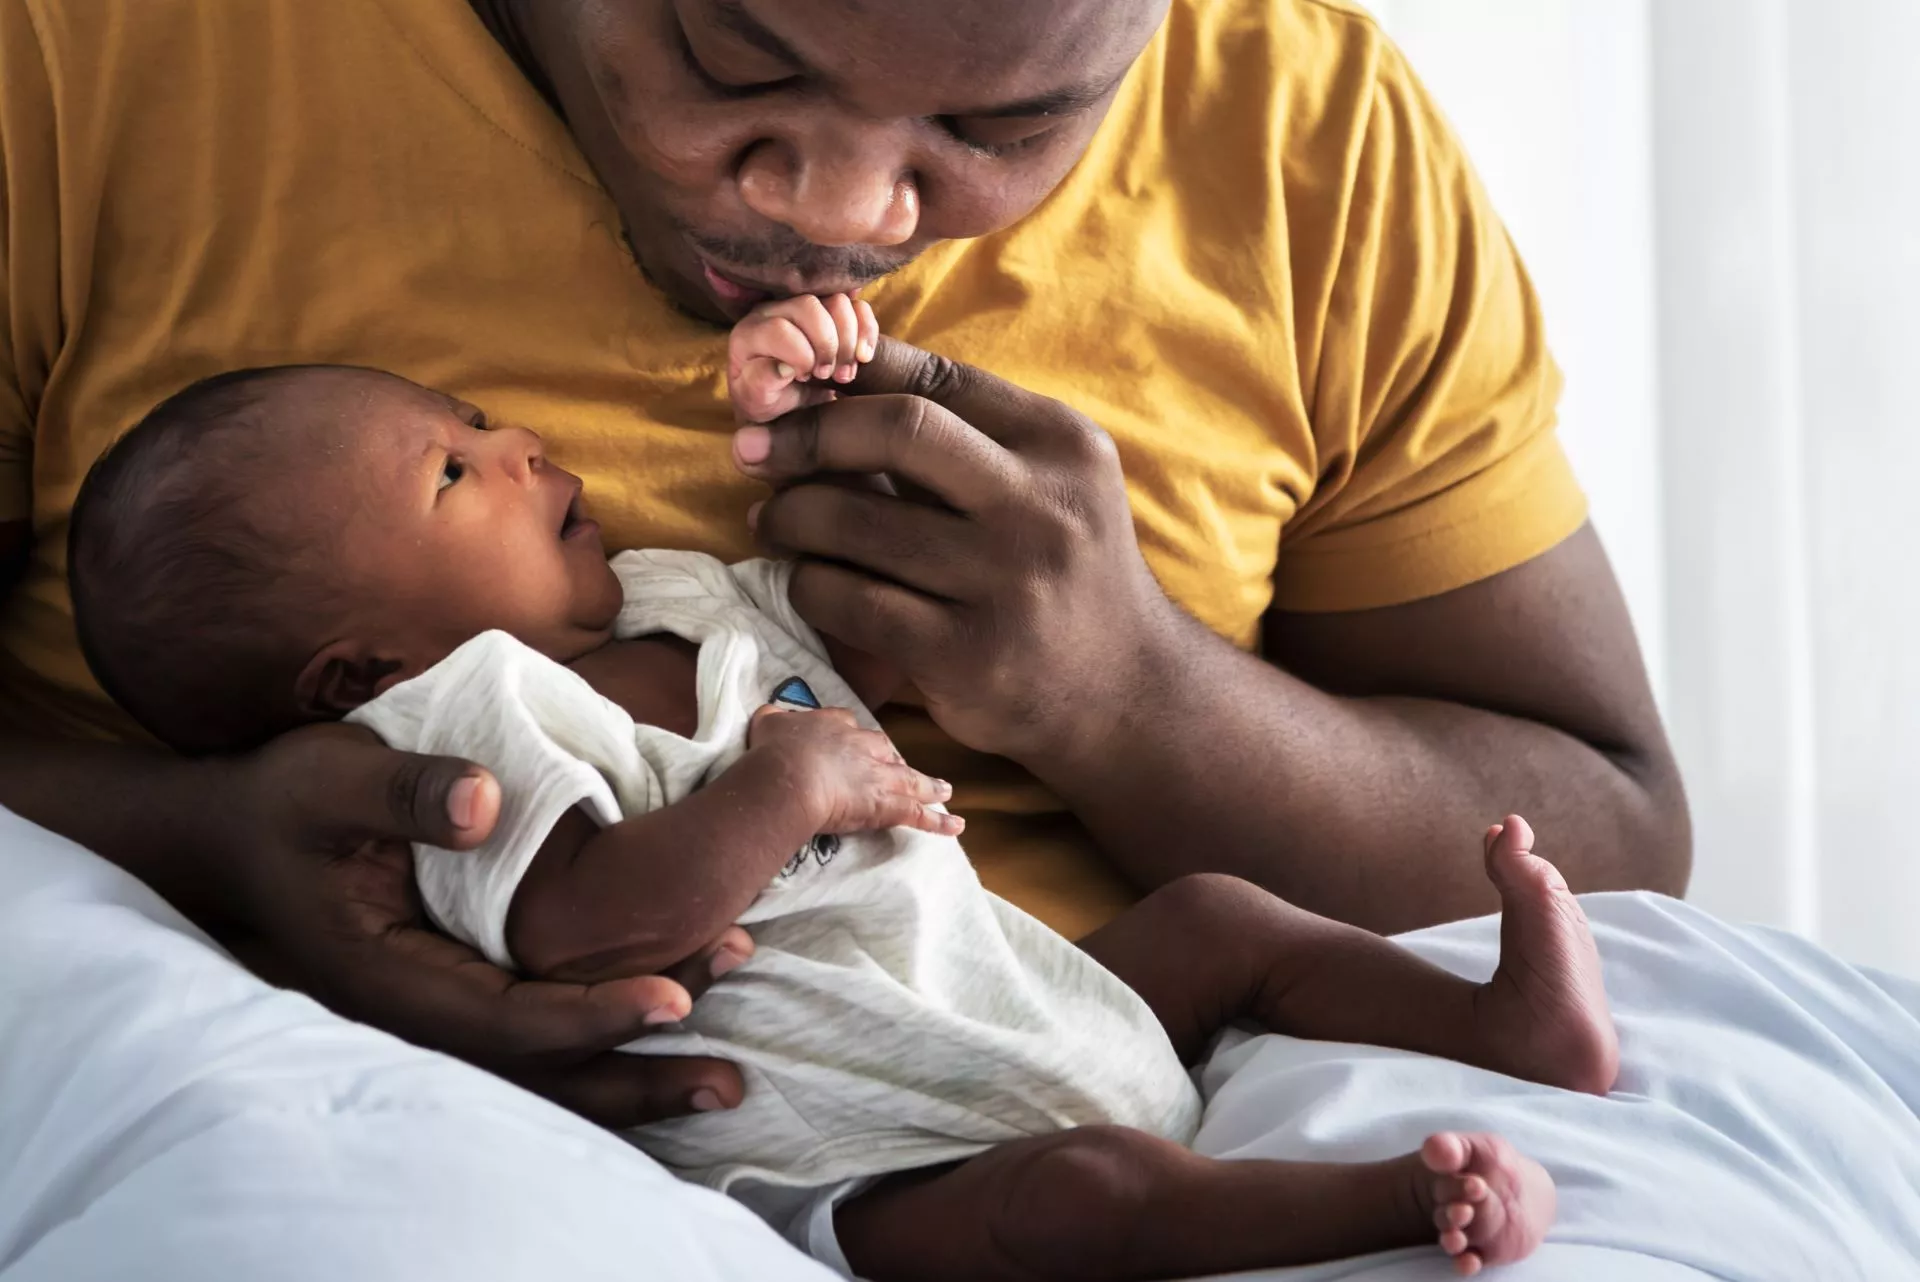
x=183, y=571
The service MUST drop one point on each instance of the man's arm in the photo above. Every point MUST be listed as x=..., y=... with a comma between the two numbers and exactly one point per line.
x=1358, y=776
x=303, y=846
x=1355, y=778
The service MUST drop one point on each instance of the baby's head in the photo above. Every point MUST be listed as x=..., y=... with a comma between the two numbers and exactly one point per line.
x=277, y=546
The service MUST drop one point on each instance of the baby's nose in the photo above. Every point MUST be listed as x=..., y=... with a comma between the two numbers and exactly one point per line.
x=524, y=453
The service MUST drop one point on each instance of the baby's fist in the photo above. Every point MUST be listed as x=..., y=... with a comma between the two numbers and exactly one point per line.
x=792, y=351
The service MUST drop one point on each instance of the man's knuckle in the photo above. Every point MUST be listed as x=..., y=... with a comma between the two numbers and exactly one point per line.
x=1087, y=443
x=408, y=786
x=937, y=377
x=806, y=437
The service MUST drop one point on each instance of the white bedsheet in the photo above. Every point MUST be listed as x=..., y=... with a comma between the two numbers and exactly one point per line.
x=165, y=1116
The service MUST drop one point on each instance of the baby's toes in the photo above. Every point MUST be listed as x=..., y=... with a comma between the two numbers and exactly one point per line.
x=1452, y=1215
x=1446, y=1152
x=1467, y=1189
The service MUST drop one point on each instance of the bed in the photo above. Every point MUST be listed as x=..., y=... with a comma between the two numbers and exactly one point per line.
x=165, y=1115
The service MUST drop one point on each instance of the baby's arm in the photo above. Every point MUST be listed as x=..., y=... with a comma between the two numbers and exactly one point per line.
x=787, y=354
x=654, y=889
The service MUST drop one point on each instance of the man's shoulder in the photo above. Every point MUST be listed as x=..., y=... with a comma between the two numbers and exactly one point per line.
x=1243, y=46
x=1290, y=84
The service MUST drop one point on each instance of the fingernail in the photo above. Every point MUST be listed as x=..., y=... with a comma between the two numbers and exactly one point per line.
x=844, y=374
x=752, y=445
x=705, y=1100
x=724, y=963
x=866, y=352
x=944, y=788
x=825, y=371
x=463, y=801
x=753, y=515
x=662, y=1015
x=783, y=369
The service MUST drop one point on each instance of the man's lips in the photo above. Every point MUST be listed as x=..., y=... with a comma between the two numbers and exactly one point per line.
x=732, y=291
x=738, y=289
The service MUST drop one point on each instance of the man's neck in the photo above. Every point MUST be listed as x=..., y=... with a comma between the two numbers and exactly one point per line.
x=503, y=22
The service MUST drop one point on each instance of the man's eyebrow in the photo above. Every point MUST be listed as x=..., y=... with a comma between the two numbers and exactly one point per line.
x=1055, y=102
x=733, y=16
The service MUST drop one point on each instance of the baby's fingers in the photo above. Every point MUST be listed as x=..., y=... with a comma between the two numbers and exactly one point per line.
x=937, y=822
x=906, y=799
x=869, y=329
x=846, y=319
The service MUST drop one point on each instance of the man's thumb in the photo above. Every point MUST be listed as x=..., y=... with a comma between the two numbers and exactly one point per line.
x=441, y=801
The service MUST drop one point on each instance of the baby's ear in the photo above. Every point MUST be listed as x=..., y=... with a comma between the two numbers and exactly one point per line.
x=341, y=677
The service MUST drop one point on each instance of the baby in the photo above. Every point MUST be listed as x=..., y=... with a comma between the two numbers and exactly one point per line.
x=938, y=1086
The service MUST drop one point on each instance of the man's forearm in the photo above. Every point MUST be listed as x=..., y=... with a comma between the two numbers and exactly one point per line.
x=144, y=809
x=1369, y=810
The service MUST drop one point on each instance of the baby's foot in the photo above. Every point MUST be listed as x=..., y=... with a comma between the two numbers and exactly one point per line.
x=793, y=351
x=1491, y=1204
x=1544, y=1014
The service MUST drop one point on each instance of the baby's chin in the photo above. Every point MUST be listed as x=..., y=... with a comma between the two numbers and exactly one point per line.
x=605, y=610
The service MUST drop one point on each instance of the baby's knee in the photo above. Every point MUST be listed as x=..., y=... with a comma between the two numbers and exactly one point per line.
x=1202, y=905
x=1088, y=1185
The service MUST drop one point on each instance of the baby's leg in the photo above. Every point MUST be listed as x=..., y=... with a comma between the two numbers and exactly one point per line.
x=1104, y=1204
x=1206, y=950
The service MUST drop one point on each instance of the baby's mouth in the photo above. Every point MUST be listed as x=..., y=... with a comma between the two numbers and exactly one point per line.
x=576, y=522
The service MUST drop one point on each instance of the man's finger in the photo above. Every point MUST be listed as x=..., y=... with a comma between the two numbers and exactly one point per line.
x=622, y=1091
x=1008, y=414
x=450, y=997
x=915, y=439
x=725, y=955
x=923, y=547
x=870, y=614
x=380, y=794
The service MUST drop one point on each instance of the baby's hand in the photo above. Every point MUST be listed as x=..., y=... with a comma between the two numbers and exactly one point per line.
x=791, y=352
x=855, y=780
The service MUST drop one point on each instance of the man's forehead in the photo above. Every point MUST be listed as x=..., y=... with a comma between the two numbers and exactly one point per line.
x=984, y=56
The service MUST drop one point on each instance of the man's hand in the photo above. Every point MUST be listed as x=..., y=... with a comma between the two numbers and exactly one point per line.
x=1002, y=574
x=1004, y=578
x=793, y=351
x=315, y=832
x=853, y=779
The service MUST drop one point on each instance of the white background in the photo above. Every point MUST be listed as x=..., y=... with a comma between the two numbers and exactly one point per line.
x=1719, y=201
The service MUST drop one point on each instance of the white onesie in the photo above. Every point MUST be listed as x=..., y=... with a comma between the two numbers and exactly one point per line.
x=895, y=1014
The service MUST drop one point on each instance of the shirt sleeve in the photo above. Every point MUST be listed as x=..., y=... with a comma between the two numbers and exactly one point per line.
x=1433, y=394
x=550, y=740
x=29, y=251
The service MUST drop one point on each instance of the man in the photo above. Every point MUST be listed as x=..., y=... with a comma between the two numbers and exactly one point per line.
x=1311, y=603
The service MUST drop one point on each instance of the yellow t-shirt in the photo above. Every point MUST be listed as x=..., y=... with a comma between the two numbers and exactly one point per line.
x=1274, y=279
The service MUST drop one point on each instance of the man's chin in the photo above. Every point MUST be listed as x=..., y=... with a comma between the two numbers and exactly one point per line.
x=688, y=299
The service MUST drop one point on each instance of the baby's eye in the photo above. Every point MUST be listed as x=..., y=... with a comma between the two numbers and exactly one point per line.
x=453, y=471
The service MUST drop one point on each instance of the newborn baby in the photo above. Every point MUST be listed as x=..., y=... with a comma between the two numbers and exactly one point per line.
x=938, y=1086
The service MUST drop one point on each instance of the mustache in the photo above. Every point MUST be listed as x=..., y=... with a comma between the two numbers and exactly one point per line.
x=784, y=250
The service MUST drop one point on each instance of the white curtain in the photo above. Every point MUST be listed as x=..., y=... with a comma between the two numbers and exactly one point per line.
x=1720, y=203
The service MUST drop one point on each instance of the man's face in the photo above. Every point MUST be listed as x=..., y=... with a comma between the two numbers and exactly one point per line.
x=762, y=148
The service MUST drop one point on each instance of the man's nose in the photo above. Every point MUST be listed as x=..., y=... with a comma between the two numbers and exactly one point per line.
x=839, y=188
